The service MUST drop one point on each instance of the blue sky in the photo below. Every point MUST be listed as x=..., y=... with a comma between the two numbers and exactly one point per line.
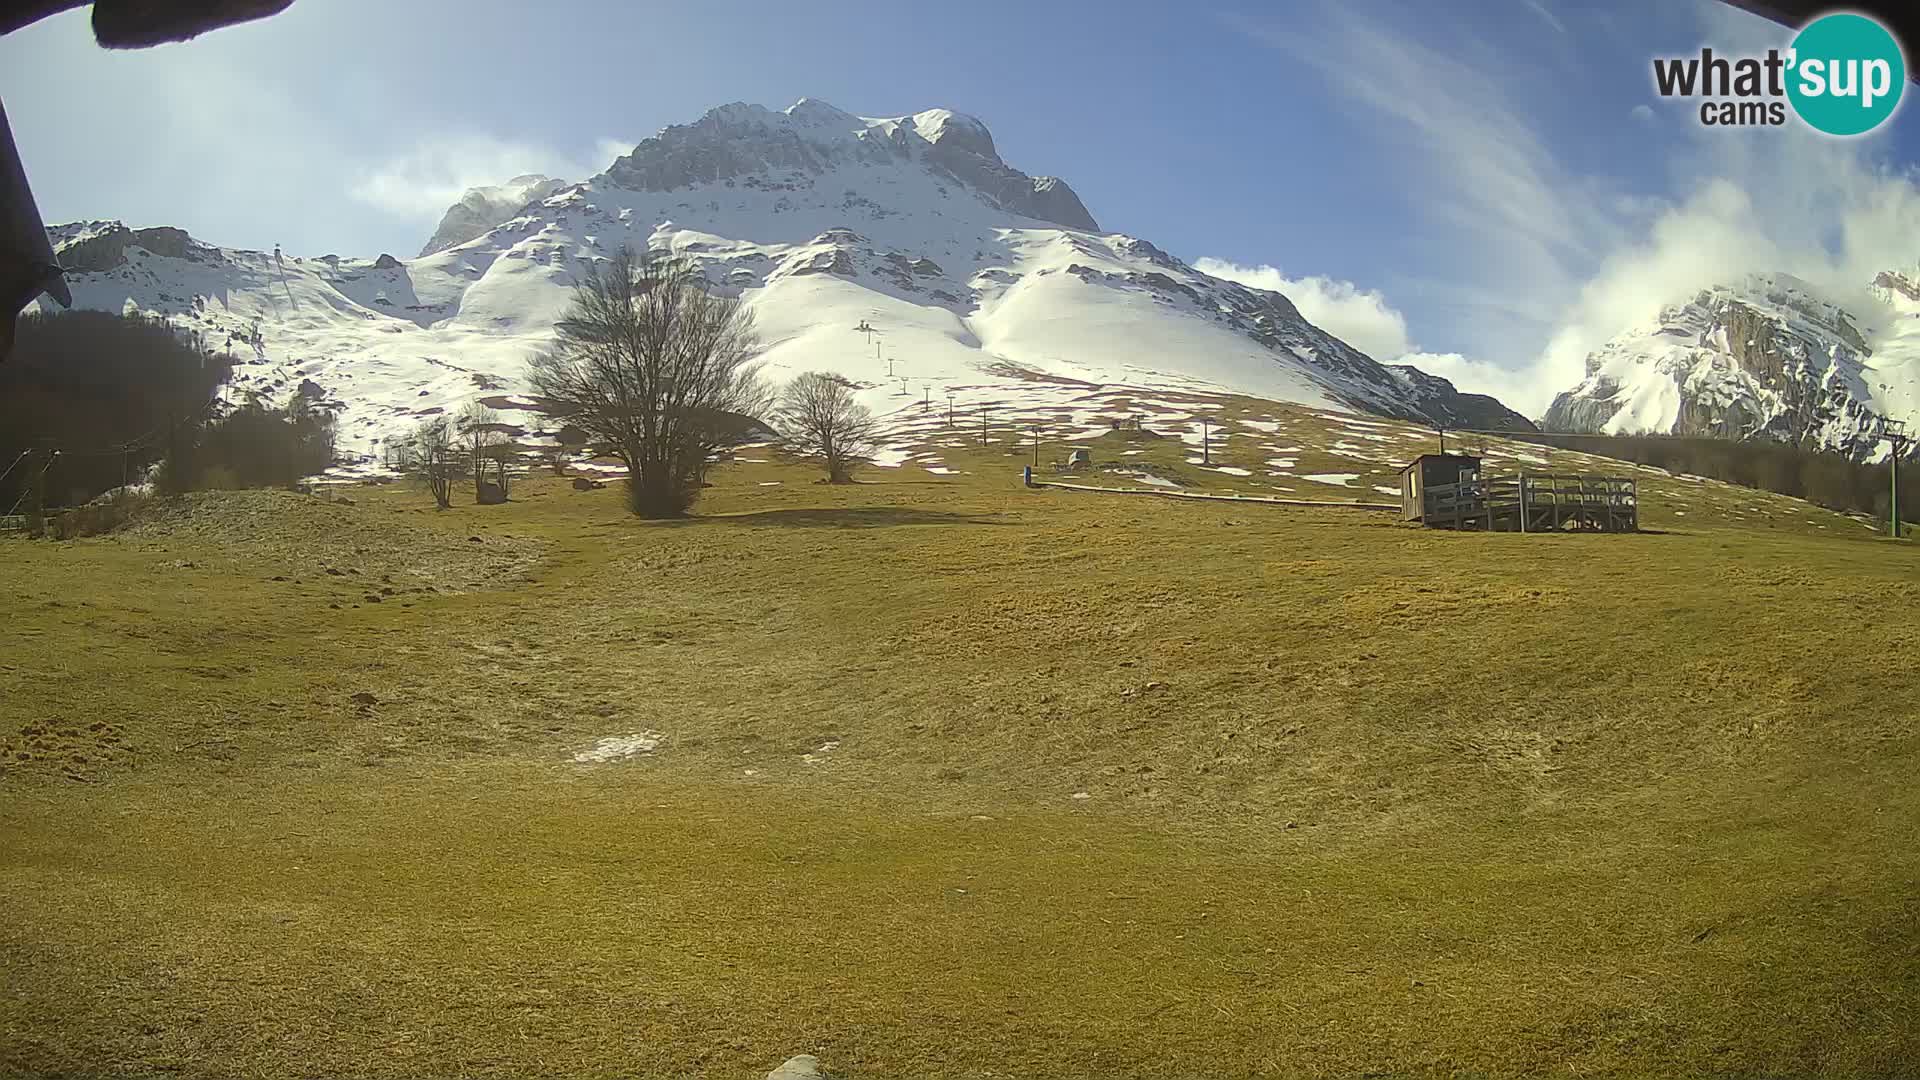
x=1490, y=186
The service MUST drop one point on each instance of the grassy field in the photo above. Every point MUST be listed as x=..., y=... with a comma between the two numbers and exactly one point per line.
x=944, y=777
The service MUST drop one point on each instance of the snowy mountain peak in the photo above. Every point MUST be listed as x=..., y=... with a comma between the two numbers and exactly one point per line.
x=741, y=144
x=957, y=129
x=482, y=208
x=814, y=113
x=1767, y=356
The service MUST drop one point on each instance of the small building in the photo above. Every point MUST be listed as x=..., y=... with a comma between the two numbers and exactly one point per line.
x=1432, y=470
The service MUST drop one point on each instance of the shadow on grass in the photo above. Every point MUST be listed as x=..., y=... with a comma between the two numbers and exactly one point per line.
x=853, y=517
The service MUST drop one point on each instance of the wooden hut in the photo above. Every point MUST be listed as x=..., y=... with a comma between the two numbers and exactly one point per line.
x=1431, y=470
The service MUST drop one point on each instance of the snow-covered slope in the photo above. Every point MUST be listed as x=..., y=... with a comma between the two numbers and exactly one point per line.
x=973, y=275
x=482, y=208
x=1769, y=357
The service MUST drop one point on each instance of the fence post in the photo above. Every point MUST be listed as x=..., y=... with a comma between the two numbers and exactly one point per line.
x=1523, y=501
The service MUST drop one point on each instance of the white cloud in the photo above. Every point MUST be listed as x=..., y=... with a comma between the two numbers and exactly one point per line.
x=424, y=181
x=1361, y=318
x=1517, y=390
x=1365, y=320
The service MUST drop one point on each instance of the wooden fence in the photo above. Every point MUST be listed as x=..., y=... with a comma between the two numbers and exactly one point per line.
x=1535, y=502
x=1205, y=496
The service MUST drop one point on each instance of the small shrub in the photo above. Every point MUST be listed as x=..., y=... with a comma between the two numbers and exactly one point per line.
x=101, y=516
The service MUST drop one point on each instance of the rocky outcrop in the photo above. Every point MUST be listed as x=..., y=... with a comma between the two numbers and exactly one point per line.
x=107, y=249
x=755, y=146
x=1899, y=283
x=972, y=161
x=1584, y=412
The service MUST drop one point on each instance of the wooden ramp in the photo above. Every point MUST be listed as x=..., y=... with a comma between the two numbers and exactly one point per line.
x=1536, y=503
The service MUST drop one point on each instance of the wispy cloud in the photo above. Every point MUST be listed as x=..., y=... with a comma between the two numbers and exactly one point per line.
x=1485, y=169
x=1553, y=262
x=1541, y=9
x=424, y=181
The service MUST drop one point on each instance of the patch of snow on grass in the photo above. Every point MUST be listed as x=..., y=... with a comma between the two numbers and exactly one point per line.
x=1149, y=478
x=1336, y=478
x=620, y=747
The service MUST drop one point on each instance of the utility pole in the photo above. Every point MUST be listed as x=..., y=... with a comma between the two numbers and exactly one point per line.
x=949, y=408
x=1206, y=441
x=1036, y=445
x=863, y=328
x=36, y=493
x=1895, y=432
x=926, y=396
x=281, y=267
x=1443, y=440
x=889, y=367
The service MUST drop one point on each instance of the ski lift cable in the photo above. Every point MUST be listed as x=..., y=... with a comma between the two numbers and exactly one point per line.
x=16, y=462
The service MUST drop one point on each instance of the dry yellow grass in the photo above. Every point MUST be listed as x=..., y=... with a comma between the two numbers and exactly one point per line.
x=1359, y=798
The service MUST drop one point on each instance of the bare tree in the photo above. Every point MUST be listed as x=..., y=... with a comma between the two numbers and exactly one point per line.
x=488, y=443
x=819, y=418
x=649, y=362
x=430, y=454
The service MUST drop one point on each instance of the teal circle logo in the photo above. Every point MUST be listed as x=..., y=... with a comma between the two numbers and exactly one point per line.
x=1845, y=74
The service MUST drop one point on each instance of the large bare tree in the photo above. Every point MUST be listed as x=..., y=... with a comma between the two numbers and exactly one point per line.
x=820, y=418
x=654, y=365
